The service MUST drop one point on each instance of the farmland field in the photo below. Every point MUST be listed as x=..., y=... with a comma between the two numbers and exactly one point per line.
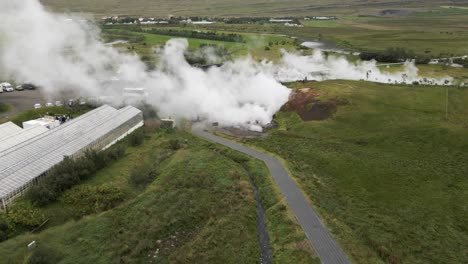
x=162, y=8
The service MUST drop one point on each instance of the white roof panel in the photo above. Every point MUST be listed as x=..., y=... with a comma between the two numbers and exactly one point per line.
x=8, y=129
x=21, y=136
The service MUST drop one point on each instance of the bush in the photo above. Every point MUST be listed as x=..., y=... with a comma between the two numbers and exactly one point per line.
x=23, y=213
x=5, y=228
x=71, y=172
x=40, y=195
x=174, y=144
x=142, y=177
x=44, y=255
x=94, y=199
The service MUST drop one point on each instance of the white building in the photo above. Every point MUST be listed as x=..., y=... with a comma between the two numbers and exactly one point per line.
x=46, y=121
x=273, y=20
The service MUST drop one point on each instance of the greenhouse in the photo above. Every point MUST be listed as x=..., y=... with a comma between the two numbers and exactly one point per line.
x=23, y=164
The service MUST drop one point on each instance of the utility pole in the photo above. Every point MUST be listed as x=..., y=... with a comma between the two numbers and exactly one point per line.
x=446, y=103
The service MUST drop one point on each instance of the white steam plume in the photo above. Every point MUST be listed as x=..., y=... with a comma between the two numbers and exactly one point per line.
x=320, y=67
x=63, y=53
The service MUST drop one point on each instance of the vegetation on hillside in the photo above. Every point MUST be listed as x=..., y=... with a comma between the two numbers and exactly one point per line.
x=174, y=199
x=387, y=172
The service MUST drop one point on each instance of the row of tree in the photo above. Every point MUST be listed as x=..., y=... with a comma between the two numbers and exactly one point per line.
x=69, y=173
x=210, y=35
x=72, y=171
x=393, y=55
x=463, y=62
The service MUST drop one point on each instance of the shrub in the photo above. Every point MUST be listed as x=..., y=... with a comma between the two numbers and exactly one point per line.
x=40, y=195
x=94, y=199
x=5, y=228
x=71, y=172
x=142, y=177
x=174, y=144
x=44, y=255
x=23, y=213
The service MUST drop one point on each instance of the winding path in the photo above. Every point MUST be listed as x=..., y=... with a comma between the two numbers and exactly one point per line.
x=327, y=249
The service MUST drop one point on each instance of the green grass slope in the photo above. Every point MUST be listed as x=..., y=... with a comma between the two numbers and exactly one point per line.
x=199, y=209
x=387, y=172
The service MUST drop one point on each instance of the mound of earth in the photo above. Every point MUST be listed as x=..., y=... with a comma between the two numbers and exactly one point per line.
x=305, y=102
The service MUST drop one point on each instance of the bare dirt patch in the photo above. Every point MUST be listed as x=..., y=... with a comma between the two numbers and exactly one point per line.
x=305, y=102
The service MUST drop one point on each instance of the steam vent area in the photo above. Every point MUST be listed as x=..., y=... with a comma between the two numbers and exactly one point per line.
x=27, y=154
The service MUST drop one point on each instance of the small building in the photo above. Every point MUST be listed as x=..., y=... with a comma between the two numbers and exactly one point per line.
x=46, y=121
x=167, y=123
x=203, y=22
x=274, y=20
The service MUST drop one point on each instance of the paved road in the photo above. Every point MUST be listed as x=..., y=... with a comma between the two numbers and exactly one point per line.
x=327, y=249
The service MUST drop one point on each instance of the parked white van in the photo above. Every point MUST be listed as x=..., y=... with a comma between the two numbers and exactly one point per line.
x=7, y=87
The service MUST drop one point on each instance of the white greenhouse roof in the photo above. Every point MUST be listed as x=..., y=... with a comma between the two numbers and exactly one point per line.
x=8, y=129
x=19, y=165
x=21, y=136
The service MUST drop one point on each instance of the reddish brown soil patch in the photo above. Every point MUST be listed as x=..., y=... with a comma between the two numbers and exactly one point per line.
x=305, y=102
x=321, y=110
x=299, y=99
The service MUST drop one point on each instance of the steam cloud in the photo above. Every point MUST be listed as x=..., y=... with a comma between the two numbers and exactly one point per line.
x=64, y=52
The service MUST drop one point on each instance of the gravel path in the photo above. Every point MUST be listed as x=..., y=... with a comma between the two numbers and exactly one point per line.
x=327, y=249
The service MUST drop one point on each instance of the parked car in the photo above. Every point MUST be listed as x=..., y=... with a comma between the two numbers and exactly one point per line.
x=37, y=106
x=7, y=87
x=27, y=86
x=48, y=104
x=71, y=102
x=82, y=101
x=58, y=103
x=19, y=88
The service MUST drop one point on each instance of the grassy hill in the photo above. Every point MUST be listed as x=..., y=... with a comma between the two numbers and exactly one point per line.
x=387, y=171
x=162, y=8
x=199, y=209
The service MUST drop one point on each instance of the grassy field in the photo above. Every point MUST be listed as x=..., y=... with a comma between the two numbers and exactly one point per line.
x=255, y=43
x=240, y=8
x=200, y=209
x=447, y=34
x=4, y=108
x=387, y=172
